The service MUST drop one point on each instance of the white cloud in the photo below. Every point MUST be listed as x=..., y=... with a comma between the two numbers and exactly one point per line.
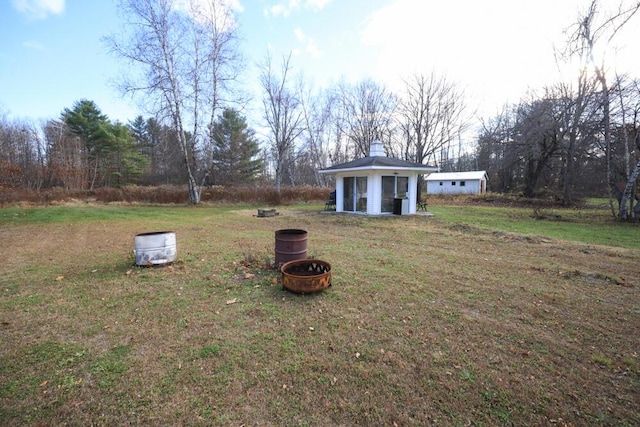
x=39, y=9
x=286, y=8
x=210, y=5
x=221, y=12
x=236, y=5
x=497, y=49
x=277, y=10
x=33, y=44
x=317, y=5
x=309, y=43
x=283, y=9
x=312, y=49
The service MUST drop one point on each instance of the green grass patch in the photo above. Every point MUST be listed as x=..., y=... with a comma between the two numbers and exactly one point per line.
x=110, y=369
x=91, y=213
x=474, y=316
x=588, y=226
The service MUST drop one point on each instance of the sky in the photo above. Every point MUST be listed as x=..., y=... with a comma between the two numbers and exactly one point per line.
x=52, y=52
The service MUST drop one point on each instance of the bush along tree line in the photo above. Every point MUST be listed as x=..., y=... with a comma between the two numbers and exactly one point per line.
x=572, y=139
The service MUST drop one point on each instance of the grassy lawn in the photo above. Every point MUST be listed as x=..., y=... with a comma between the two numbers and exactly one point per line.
x=590, y=226
x=477, y=316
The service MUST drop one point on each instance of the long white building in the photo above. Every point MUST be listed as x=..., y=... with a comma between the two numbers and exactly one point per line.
x=474, y=182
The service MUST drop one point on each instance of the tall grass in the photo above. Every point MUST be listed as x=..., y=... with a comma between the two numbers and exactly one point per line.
x=167, y=194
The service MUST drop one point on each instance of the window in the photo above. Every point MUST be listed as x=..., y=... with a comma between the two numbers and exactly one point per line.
x=402, y=186
x=440, y=182
x=462, y=183
x=361, y=194
x=453, y=183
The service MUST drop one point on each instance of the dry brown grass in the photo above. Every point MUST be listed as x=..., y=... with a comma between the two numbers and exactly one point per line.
x=425, y=324
x=166, y=194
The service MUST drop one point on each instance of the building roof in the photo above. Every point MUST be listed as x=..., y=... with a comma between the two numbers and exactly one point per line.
x=379, y=162
x=457, y=176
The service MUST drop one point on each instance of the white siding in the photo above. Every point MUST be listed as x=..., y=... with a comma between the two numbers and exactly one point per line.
x=475, y=182
x=374, y=190
x=448, y=187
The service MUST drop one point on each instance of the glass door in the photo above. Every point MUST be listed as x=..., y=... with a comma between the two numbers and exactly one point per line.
x=349, y=189
x=355, y=194
x=388, y=193
x=393, y=187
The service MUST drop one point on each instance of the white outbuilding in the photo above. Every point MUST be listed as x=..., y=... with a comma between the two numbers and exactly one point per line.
x=376, y=184
x=474, y=182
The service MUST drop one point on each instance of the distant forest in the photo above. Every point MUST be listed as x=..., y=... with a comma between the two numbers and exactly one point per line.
x=569, y=140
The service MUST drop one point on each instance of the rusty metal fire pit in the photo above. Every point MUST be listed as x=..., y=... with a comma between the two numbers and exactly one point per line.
x=305, y=276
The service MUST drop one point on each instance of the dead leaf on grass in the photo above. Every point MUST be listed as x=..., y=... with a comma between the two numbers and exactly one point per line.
x=59, y=278
x=625, y=283
x=231, y=301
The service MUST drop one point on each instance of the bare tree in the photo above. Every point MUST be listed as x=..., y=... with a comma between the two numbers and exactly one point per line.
x=283, y=113
x=629, y=112
x=432, y=114
x=67, y=156
x=218, y=61
x=317, y=110
x=365, y=114
x=577, y=117
x=22, y=154
x=537, y=136
x=187, y=56
x=591, y=29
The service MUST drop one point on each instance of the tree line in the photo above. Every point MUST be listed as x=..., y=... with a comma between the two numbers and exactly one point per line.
x=555, y=143
x=84, y=150
x=569, y=140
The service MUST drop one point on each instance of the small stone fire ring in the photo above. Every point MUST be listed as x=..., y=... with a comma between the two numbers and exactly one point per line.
x=305, y=276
